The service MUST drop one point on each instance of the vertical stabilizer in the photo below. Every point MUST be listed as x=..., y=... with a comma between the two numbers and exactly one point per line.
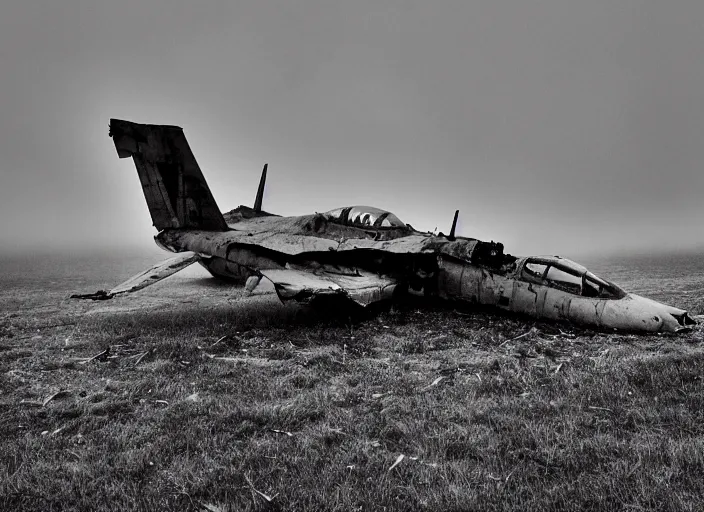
x=174, y=187
x=260, y=191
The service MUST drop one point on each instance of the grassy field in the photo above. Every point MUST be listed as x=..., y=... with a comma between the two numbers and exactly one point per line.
x=201, y=401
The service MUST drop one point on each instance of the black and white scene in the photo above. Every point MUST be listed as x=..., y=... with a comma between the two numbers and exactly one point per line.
x=391, y=255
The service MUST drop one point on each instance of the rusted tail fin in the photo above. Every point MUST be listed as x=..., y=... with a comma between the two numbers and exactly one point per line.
x=173, y=184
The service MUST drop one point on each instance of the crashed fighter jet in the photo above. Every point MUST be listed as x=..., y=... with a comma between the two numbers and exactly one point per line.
x=360, y=253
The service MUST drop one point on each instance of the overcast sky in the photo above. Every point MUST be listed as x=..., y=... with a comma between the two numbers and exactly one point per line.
x=555, y=126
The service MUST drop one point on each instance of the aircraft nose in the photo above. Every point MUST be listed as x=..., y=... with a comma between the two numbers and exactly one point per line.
x=676, y=321
x=641, y=313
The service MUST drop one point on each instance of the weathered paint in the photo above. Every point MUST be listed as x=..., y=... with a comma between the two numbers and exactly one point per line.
x=173, y=184
x=537, y=297
x=359, y=252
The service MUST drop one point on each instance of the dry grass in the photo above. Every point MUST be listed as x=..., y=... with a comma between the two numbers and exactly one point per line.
x=312, y=412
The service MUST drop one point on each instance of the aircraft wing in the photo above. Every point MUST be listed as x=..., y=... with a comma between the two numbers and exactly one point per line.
x=302, y=286
x=148, y=277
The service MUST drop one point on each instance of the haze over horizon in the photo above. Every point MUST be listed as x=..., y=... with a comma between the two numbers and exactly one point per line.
x=554, y=126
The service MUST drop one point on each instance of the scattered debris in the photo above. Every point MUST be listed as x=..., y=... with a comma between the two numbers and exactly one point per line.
x=142, y=356
x=100, y=357
x=397, y=462
x=210, y=507
x=268, y=498
x=434, y=383
x=58, y=394
x=223, y=338
x=595, y=408
x=532, y=331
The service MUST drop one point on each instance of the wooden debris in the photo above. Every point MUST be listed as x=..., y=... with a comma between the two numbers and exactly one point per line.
x=101, y=357
x=276, y=431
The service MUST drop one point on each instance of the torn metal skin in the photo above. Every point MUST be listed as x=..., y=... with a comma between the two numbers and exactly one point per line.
x=361, y=253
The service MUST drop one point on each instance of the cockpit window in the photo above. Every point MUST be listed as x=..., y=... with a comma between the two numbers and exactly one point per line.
x=596, y=287
x=535, y=269
x=564, y=280
x=364, y=216
x=570, y=277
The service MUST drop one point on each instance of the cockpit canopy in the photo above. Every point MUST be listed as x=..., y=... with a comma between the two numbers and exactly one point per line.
x=568, y=276
x=364, y=216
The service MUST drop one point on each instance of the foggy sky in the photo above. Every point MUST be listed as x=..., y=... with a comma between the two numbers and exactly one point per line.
x=555, y=126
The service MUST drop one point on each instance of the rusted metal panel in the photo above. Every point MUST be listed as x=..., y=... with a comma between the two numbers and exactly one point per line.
x=525, y=298
x=281, y=241
x=449, y=279
x=496, y=290
x=472, y=279
x=303, y=285
x=553, y=304
x=586, y=311
x=217, y=243
x=220, y=267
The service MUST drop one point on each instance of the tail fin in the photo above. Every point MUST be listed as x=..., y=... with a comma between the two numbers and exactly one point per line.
x=260, y=191
x=173, y=184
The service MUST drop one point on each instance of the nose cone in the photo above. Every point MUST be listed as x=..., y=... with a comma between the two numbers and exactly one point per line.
x=636, y=313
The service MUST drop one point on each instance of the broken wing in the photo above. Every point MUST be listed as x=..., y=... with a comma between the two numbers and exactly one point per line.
x=363, y=288
x=148, y=277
